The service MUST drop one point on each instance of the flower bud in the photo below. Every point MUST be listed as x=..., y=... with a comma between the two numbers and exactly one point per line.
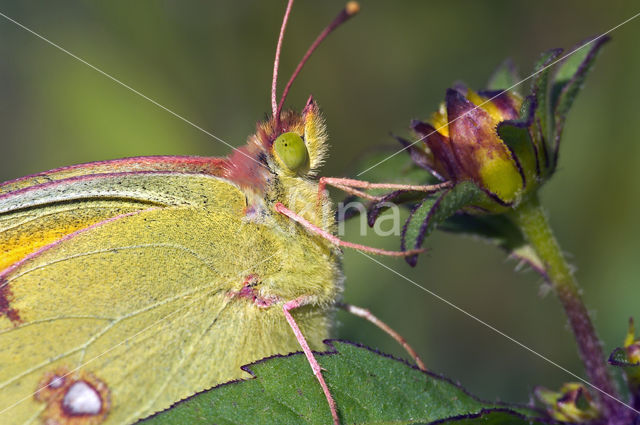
x=627, y=358
x=573, y=403
x=461, y=142
x=494, y=149
x=632, y=345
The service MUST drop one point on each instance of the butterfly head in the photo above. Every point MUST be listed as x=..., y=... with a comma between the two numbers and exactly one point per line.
x=293, y=146
x=296, y=143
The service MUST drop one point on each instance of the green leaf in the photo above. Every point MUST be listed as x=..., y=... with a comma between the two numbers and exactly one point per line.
x=504, y=77
x=494, y=417
x=369, y=388
x=568, y=82
x=498, y=230
x=433, y=210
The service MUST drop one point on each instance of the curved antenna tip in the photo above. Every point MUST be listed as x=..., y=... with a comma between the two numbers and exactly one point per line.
x=352, y=8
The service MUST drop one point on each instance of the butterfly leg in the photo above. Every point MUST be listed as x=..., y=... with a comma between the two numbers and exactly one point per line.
x=317, y=370
x=367, y=315
x=337, y=241
x=351, y=186
x=347, y=189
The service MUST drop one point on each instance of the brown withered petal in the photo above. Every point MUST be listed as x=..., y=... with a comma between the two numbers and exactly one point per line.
x=444, y=160
x=419, y=156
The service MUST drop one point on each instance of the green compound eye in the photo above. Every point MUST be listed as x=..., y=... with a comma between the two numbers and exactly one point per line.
x=291, y=150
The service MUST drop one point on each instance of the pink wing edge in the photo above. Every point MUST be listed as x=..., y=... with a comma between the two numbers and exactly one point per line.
x=213, y=166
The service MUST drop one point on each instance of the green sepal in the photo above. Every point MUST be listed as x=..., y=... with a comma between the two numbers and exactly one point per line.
x=568, y=82
x=498, y=230
x=504, y=77
x=398, y=197
x=543, y=121
x=516, y=135
x=631, y=370
x=368, y=387
x=619, y=358
x=433, y=210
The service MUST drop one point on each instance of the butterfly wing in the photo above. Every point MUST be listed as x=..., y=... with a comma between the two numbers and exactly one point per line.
x=26, y=225
x=121, y=293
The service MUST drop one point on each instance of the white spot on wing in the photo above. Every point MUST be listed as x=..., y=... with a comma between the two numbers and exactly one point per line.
x=82, y=399
x=56, y=381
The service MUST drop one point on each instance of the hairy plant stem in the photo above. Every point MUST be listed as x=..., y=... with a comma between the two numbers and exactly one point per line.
x=530, y=217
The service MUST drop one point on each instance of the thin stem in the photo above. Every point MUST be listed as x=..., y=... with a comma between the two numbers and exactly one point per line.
x=533, y=222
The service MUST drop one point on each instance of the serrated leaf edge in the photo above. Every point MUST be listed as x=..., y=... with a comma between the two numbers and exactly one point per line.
x=506, y=407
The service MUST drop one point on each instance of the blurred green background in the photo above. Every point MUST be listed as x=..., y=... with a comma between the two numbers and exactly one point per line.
x=211, y=63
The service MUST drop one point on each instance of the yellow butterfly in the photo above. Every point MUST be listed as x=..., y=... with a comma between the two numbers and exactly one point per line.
x=127, y=285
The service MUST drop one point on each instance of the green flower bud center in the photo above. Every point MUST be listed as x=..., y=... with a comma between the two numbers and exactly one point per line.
x=500, y=175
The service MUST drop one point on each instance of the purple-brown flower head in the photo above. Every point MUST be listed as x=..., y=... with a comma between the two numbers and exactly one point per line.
x=495, y=148
x=460, y=142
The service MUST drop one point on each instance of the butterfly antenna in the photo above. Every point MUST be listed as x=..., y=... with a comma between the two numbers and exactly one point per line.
x=350, y=9
x=276, y=63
